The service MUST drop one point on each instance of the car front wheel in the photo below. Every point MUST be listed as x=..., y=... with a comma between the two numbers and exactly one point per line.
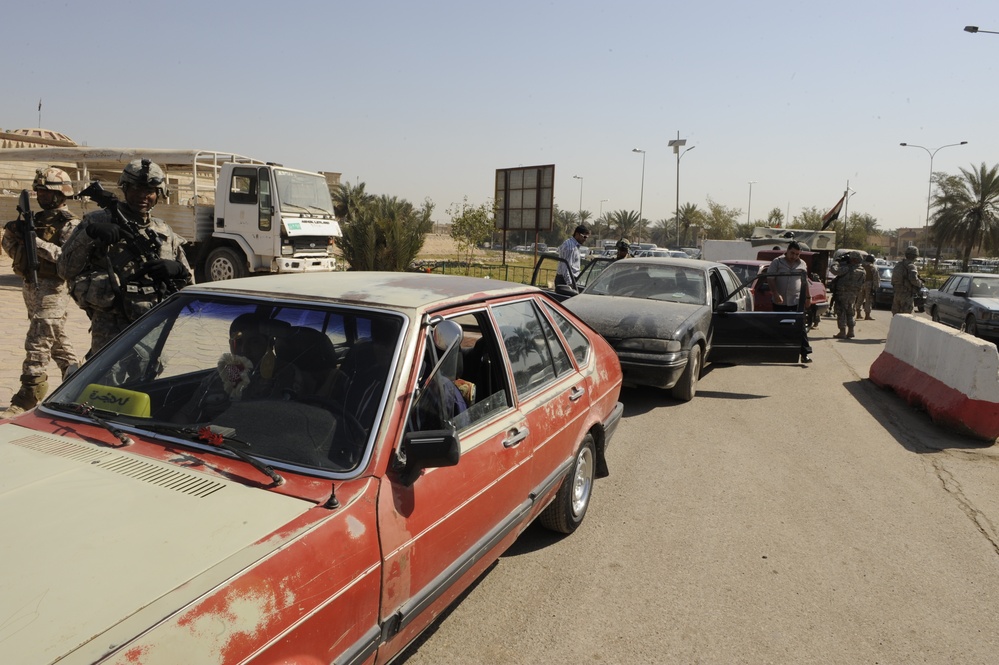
x=568, y=508
x=686, y=387
x=934, y=314
x=971, y=326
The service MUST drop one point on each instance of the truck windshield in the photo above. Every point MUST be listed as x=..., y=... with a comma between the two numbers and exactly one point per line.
x=303, y=190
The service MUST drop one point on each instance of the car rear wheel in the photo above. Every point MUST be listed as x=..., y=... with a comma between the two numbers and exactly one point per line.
x=686, y=387
x=568, y=508
x=971, y=326
x=934, y=314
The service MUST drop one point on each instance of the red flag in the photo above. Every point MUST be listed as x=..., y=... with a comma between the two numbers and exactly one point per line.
x=833, y=214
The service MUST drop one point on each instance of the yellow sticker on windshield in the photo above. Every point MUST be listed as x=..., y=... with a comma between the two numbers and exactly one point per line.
x=119, y=400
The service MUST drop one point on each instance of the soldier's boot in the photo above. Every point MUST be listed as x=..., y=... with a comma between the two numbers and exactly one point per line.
x=841, y=334
x=33, y=390
x=868, y=318
x=849, y=332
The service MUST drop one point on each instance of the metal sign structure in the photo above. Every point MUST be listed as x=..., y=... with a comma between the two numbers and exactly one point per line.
x=524, y=198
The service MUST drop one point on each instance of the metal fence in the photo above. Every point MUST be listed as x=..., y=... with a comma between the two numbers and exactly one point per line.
x=507, y=273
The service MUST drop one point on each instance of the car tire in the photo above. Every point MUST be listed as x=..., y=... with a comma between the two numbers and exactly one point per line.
x=224, y=263
x=686, y=387
x=934, y=314
x=567, y=510
x=971, y=326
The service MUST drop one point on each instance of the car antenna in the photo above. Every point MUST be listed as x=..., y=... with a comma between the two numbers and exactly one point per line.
x=332, y=503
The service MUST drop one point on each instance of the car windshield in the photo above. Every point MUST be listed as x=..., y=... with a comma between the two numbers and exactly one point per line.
x=302, y=385
x=984, y=287
x=651, y=281
x=885, y=273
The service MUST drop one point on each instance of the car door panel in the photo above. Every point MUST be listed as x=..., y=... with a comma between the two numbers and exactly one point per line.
x=757, y=336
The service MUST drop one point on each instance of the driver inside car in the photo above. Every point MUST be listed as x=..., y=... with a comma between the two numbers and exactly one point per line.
x=253, y=368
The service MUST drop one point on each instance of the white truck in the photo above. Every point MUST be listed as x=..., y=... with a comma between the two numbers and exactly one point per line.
x=239, y=215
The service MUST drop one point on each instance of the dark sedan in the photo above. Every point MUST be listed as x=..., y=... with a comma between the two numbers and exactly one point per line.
x=664, y=317
x=884, y=292
x=968, y=300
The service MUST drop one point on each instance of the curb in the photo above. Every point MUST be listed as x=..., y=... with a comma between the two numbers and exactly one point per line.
x=953, y=376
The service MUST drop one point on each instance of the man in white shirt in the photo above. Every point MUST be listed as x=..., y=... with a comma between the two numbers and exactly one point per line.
x=568, y=272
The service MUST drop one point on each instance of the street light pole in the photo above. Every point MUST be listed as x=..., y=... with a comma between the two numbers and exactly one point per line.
x=641, y=196
x=676, y=145
x=929, y=186
x=749, y=206
x=580, y=179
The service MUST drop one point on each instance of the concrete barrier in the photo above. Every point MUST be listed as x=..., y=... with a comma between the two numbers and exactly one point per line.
x=953, y=376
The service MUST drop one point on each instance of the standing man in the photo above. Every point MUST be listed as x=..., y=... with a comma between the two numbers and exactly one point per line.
x=47, y=301
x=848, y=287
x=786, y=277
x=905, y=282
x=568, y=272
x=120, y=262
x=867, y=293
x=623, y=249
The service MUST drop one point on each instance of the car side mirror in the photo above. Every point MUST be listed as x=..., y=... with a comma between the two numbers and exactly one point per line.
x=727, y=306
x=426, y=450
x=963, y=294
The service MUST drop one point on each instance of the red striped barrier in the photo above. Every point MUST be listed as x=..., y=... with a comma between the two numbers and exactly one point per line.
x=951, y=375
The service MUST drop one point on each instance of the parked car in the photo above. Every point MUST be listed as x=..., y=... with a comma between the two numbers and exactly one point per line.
x=664, y=317
x=884, y=292
x=968, y=300
x=298, y=468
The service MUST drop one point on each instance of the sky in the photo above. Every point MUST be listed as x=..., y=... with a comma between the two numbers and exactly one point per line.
x=427, y=99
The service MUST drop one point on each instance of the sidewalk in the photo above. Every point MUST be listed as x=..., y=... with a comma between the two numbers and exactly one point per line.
x=12, y=311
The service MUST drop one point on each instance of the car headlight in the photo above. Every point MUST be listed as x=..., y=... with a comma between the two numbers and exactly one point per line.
x=649, y=345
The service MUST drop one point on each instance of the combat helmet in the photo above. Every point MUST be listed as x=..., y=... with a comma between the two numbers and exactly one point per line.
x=911, y=252
x=144, y=173
x=54, y=180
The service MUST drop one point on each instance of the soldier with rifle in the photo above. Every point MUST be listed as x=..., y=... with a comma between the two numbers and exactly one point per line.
x=34, y=244
x=121, y=262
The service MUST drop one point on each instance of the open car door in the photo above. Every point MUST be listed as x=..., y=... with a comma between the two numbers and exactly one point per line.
x=545, y=269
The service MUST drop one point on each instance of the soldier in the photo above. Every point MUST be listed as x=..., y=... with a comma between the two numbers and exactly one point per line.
x=47, y=301
x=116, y=274
x=848, y=287
x=623, y=248
x=867, y=293
x=905, y=282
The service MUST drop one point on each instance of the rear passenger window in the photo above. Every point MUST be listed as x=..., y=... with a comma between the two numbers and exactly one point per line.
x=578, y=342
x=535, y=352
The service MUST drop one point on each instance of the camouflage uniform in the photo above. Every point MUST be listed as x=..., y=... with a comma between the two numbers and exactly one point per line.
x=866, y=296
x=848, y=287
x=47, y=301
x=906, y=283
x=85, y=263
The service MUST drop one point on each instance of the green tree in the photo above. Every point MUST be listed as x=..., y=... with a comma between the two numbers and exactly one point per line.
x=386, y=233
x=967, y=211
x=349, y=199
x=808, y=218
x=775, y=218
x=470, y=227
x=720, y=221
x=690, y=215
x=624, y=223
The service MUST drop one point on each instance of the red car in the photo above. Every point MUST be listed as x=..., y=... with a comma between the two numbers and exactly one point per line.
x=296, y=468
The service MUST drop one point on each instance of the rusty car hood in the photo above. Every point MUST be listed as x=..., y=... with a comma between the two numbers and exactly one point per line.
x=620, y=317
x=94, y=536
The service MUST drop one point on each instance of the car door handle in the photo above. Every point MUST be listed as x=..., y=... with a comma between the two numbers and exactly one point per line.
x=515, y=436
x=576, y=393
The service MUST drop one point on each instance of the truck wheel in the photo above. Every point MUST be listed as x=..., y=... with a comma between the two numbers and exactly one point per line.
x=224, y=263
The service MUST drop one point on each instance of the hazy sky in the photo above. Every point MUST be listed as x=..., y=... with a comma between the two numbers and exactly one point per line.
x=428, y=99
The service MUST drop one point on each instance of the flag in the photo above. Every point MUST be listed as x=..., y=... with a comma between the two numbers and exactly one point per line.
x=833, y=214
x=39, y=104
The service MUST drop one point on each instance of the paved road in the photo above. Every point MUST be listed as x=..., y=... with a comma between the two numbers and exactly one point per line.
x=788, y=514
x=15, y=327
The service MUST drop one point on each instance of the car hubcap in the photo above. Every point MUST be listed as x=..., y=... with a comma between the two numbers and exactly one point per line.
x=582, y=483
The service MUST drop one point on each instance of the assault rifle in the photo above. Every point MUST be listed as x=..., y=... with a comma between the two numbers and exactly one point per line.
x=144, y=244
x=26, y=227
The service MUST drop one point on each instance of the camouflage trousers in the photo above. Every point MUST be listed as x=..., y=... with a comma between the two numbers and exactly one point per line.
x=864, y=300
x=902, y=304
x=46, y=339
x=105, y=326
x=847, y=305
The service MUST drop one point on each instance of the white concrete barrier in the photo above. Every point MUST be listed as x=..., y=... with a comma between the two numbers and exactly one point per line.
x=953, y=376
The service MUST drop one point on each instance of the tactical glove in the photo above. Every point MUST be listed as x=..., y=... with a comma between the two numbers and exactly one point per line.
x=164, y=269
x=105, y=232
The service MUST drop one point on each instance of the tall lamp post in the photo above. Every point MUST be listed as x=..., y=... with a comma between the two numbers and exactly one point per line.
x=929, y=187
x=601, y=218
x=676, y=145
x=749, y=206
x=641, y=196
x=580, y=179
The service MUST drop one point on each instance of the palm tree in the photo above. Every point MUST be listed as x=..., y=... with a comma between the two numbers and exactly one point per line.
x=689, y=214
x=385, y=234
x=967, y=211
x=349, y=199
x=624, y=222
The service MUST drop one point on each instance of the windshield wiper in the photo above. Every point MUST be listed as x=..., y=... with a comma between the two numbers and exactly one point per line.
x=220, y=437
x=90, y=413
x=293, y=205
x=322, y=211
